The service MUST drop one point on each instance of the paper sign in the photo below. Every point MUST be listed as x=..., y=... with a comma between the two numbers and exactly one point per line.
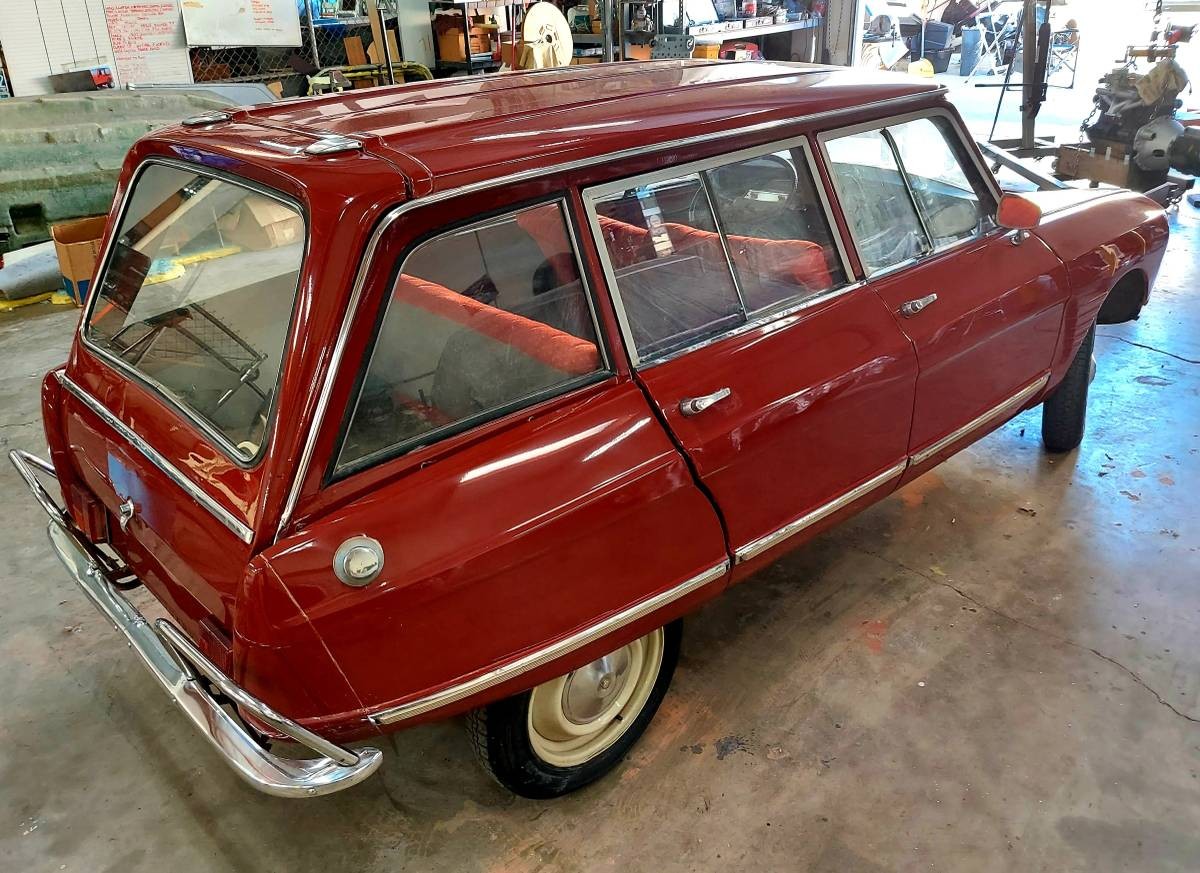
x=147, y=41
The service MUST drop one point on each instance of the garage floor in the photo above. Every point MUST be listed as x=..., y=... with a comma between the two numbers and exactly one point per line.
x=995, y=669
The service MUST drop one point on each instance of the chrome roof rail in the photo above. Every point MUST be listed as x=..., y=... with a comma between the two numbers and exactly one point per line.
x=333, y=145
x=216, y=116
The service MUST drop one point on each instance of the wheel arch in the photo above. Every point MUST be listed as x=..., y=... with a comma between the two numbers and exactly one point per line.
x=1125, y=298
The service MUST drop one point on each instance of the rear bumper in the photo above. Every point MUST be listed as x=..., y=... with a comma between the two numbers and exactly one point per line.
x=192, y=680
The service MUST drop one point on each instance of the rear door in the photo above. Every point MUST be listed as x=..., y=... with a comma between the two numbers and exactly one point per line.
x=982, y=308
x=789, y=388
x=169, y=396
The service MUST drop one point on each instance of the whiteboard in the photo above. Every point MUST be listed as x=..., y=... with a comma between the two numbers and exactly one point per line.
x=147, y=41
x=241, y=22
x=43, y=37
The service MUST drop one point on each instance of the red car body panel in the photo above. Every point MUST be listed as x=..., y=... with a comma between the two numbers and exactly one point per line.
x=800, y=384
x=492, y=550
x=502, y=539
x=992, y=330
x=1101, y=237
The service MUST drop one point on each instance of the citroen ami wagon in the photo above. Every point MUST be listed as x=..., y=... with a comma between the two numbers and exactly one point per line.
x=454, y=397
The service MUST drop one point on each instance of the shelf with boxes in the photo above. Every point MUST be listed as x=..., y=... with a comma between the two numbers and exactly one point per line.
x=466, y=34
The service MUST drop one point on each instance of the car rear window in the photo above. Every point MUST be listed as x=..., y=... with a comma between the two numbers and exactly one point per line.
x=197, y=296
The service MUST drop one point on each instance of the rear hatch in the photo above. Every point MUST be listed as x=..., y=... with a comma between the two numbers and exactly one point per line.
x=167, y=402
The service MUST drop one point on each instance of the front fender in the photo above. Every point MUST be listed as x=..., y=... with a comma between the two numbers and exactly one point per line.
x=1102, y=241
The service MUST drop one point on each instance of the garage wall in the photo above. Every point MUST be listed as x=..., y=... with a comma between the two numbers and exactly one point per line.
x=42, y=37
x=416, y=38
x=844, y=26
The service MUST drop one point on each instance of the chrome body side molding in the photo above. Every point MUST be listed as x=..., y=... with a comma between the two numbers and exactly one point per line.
x=565, y=646
x=181, y=669
x=1001, y=410
x=223, y=515
x=757, y=547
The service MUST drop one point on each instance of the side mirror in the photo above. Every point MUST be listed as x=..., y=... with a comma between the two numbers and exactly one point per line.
x=1017, y=213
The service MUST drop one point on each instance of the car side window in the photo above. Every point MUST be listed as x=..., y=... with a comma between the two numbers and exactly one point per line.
x=952, y=198
x=481, y=321
x=874, y=196
x=669, y=262
x=699, y=254
x=779, y=240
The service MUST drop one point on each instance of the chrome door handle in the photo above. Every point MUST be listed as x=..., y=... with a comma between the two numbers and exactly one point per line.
x=912, y=307
x=126, y=512
x=696, y=405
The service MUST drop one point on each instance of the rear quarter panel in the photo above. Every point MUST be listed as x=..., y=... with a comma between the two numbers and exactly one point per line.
x=505, y=545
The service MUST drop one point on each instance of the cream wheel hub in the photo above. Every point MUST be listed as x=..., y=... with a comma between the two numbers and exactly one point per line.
x=575, y=717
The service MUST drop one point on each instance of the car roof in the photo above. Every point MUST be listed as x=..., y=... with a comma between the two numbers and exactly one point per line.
x=456, y=131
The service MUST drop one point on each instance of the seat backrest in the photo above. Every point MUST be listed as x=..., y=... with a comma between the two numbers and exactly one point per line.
x=480, y=356
x=790, y=261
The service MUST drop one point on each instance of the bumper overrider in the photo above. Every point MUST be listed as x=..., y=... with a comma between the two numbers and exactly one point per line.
x=191, y=679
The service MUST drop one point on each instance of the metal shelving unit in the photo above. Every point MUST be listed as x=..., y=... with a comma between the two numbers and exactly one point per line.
x=472, y=63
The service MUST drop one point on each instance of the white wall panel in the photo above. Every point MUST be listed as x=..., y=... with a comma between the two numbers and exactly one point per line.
x=43, y=37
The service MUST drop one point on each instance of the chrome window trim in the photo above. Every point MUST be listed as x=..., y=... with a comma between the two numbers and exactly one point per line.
x=223, y=515
x=881, y=124
x=437, y=434
x=546, y=654
x=1011, y=404
x=396, y=212
x=757, y=546
x=754, y=317
x=225, y=445
x=379, y=456
x=848, y=273
x=918, y=210
x=723, y=239
x=762, y=318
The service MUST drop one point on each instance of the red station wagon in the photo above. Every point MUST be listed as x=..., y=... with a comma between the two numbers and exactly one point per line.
x=455, y=396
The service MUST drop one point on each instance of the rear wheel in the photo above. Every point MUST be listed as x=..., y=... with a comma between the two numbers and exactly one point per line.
x=572, y=730
x=1064, y=412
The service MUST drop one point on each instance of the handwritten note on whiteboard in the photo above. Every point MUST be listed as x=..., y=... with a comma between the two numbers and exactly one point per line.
x=241, y=22
x=147, y=41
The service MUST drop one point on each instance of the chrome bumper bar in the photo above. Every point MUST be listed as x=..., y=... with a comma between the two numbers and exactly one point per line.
x=180, y=669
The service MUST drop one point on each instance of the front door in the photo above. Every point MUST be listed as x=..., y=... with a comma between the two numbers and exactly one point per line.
x=789, y=389
x=982, y=308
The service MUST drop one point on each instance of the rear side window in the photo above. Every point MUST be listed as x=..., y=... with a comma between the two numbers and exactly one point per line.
x=672, y=272
x=481, y=321
x=696, y=255
x=197, y=297
x=780, y=243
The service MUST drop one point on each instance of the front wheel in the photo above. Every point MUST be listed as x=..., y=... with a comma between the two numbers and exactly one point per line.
x=572, y=730
x=1064, y=412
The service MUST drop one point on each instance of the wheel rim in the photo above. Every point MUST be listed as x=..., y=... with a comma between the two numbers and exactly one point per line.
x=574, y=718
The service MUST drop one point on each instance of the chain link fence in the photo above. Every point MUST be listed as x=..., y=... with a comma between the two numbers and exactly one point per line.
x=324, y=45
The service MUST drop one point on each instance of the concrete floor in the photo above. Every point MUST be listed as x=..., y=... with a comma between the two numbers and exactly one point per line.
x=995, y=669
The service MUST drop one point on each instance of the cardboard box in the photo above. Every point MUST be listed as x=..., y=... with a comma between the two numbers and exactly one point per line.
x=261, y=223
x=450, y=43
x=579, y=60
x=1110, y=166
x=710, y=51
x=510, y=53
x=78, y=246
